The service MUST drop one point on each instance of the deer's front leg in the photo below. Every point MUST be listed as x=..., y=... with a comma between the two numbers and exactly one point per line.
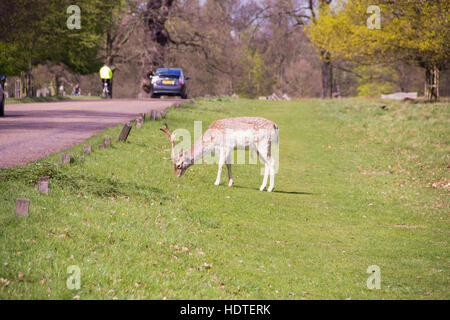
x=221, y=163
x=230, y=176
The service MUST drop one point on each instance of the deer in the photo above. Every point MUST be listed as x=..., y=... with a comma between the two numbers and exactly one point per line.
x=223, y=137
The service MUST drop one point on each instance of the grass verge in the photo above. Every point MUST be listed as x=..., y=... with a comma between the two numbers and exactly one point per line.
x=48, y=99
x=359, y=184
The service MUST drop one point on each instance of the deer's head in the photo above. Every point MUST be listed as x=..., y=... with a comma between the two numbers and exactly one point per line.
x=180, y=162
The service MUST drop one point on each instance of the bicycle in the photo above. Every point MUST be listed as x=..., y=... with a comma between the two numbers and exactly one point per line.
x=106, y=89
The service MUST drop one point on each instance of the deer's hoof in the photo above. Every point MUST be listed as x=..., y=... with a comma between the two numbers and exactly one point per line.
x=262, y=188
x=216, y=183
x=270, y=189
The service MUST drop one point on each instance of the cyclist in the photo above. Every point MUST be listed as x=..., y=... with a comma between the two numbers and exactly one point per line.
x=106, y=76
x=77, y=90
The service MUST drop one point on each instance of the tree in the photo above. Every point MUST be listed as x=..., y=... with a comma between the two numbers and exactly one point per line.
x=36, y=31
x=250, y=48
x=122, y=19
x=413, y=32
x=156, y=38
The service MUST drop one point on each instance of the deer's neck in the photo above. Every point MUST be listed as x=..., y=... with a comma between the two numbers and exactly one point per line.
x=199, y=150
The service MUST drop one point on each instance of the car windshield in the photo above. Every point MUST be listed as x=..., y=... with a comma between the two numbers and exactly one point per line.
x=168, y=73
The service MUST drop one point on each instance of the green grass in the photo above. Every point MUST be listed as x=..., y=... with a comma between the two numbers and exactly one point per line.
x=354, y=189
x=48, y=99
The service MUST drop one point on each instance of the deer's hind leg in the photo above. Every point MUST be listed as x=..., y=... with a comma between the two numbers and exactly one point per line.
x=269, y=169
x=262, y=156
x=271, y=165
x=266, y=175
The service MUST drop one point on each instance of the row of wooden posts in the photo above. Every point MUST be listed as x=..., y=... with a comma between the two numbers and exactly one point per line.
x=23, y=205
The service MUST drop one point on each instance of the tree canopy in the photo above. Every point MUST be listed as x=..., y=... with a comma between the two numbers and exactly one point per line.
x=36, y=31
x=416, y=32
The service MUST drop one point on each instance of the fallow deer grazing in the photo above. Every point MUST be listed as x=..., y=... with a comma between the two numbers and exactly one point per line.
x=222, y=137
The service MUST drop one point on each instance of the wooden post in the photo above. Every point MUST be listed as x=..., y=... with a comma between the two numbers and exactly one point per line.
x=65, y=158
x=158, y=115
x=43, y=187
x=138, y=122
x=87, y=149
x=142, y=115
x=42, y=184
x=107, y=141
x=153, y=115
x=125, y=132
x=22, y=207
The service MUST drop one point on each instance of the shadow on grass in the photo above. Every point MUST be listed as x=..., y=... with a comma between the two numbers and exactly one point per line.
x=276, y=191
x=293, y=192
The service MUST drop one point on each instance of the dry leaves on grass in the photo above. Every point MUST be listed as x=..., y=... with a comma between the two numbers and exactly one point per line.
x=441, y=184
x=205, y=266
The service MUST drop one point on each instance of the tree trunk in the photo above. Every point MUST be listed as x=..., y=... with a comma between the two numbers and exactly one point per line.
x=156, y=39
x=431, y=91
x=327, y=68
x=327, y=75
x=29, y=83
x=109, y=59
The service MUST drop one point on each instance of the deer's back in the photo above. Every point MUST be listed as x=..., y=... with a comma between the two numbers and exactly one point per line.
x=240, y=132
x=243, y=123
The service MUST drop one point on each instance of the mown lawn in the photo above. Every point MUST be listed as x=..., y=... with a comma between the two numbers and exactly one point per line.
x=358, y=185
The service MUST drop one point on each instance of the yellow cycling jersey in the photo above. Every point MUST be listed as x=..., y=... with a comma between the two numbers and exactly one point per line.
x=105, y=73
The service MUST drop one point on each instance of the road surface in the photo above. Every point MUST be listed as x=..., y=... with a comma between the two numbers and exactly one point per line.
x=34, y=130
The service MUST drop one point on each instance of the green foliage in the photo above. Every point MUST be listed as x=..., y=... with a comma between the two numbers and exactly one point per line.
x=375, y=80
x=416, y=32
x=13, y=59
x=40, y=34
x=256, y=79
x=374, y=89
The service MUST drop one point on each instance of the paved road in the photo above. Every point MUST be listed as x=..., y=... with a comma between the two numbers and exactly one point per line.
x=34, y=130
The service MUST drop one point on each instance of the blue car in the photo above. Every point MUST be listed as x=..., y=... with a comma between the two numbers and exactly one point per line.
x=168, y=82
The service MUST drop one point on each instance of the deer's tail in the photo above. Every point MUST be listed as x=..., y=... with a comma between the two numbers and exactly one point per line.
x=275, y=134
